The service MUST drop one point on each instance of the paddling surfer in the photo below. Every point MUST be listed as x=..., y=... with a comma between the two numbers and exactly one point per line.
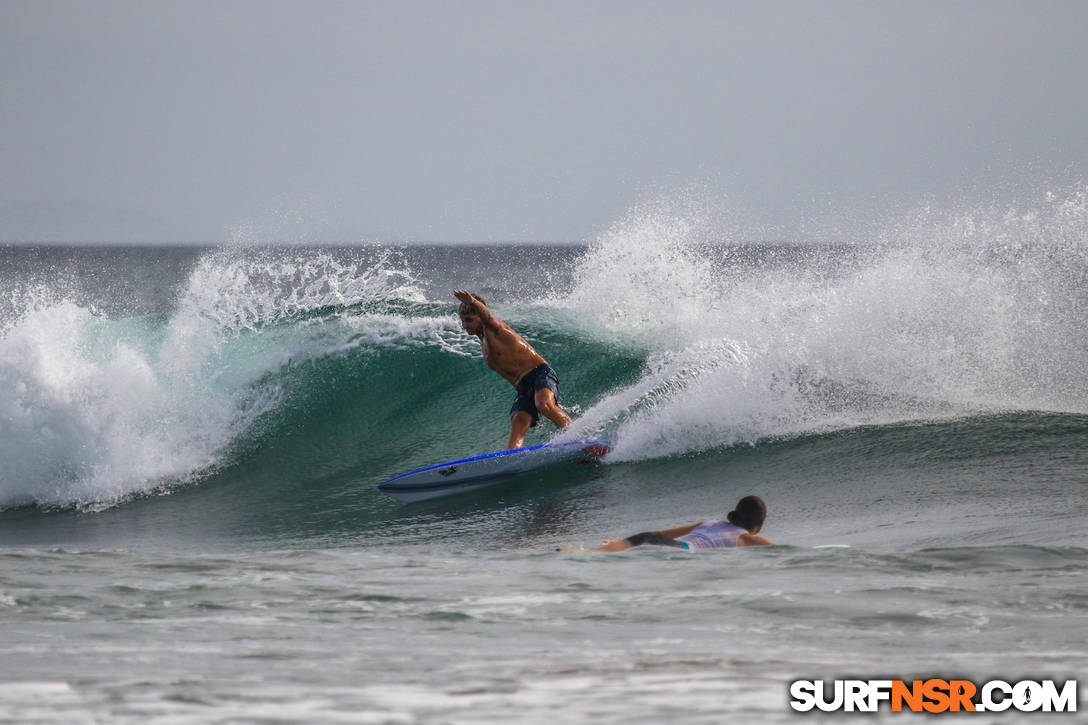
x=739, y=529
x=508, y=354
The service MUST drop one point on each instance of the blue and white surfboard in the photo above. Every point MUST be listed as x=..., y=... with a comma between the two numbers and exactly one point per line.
x=467, y=474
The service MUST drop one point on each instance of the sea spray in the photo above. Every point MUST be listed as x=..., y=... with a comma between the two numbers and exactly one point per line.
x=941, y=315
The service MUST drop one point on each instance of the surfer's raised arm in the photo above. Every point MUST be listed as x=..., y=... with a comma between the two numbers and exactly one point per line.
x=474, y=304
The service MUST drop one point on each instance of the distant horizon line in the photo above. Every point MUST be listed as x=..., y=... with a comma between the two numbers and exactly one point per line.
x=370, y=243
x=274, y=243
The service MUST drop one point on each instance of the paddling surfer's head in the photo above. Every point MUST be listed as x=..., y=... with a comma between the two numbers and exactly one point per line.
x=470, y=316
x=750, y=513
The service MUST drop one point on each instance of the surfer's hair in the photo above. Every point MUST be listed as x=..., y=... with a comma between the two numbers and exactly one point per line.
x=468, y=309
x=749, y=513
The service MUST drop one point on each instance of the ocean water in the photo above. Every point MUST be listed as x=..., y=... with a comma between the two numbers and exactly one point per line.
x=190, y=440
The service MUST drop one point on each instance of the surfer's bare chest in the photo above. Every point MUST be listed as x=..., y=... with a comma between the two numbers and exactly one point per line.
x=509, y=356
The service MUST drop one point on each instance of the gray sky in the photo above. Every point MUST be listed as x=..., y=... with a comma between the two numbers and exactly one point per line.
x=504, y=121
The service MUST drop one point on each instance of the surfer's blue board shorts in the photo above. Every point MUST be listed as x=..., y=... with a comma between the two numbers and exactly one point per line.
x=540, y=377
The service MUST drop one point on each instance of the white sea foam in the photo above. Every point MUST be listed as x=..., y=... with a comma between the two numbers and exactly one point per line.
x=94, y=410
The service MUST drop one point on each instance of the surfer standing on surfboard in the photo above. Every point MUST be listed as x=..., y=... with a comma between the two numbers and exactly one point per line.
x=508, y=354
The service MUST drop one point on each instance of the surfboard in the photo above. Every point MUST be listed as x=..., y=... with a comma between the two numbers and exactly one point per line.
x=488, y=469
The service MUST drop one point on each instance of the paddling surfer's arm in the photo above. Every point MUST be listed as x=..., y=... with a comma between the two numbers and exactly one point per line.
x=664, y=537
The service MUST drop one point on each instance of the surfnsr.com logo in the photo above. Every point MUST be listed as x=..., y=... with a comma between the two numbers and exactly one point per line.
x=933, y=695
